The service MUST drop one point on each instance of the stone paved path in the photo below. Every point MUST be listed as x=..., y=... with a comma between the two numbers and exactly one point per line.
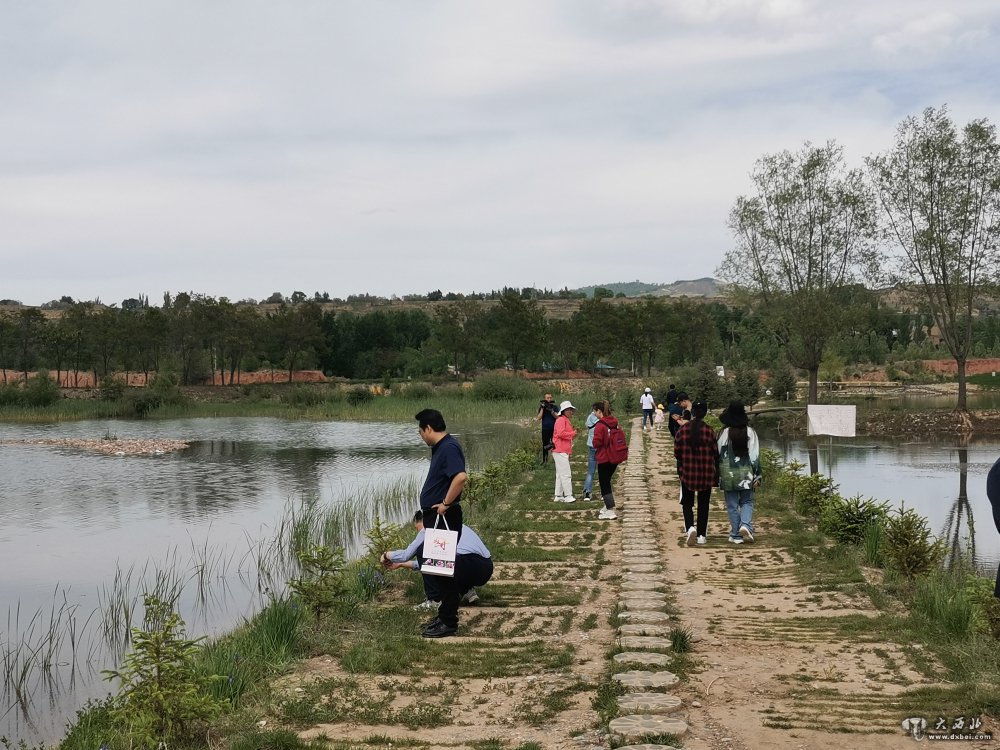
x=643, y=601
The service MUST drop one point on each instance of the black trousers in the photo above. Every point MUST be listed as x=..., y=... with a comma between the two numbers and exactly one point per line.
x=449, y=593
x=546, y=440
x=432, y=586
x=604, y=474
x=687, y=504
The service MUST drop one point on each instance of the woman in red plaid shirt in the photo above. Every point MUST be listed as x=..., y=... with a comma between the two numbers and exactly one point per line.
x=697, y=466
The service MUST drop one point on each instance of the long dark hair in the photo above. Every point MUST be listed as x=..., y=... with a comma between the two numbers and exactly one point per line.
x=739, y=441
x=698, y=411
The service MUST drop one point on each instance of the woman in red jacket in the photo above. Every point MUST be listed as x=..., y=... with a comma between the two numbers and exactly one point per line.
x=606, y=422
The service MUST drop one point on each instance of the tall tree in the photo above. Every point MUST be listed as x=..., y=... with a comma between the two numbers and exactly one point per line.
x=29, y=335
x=940, y=194
x=455, y=331
x=295, y=330
x=517, y=326
x=806, y=233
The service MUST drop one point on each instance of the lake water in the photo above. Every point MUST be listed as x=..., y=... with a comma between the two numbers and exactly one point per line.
x=75, y=520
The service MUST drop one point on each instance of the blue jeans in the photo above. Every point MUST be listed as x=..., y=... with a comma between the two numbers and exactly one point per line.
x=739, y=506
x=647, y=414
x=588, y=481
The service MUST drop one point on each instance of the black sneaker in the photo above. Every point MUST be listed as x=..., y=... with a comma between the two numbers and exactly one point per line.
x=440, y=631
x=586, y=496
x=430, y=623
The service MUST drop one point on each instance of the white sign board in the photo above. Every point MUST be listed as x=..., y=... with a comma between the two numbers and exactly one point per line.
x=839, y=421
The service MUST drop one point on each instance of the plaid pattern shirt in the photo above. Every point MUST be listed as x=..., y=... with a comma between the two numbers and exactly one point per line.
x=697, y=467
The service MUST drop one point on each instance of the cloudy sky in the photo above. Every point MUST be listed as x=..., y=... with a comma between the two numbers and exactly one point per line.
x=240, y=148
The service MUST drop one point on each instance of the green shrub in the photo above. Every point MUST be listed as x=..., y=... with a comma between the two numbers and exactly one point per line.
x=910, y=547
x=498, y=387
x=111, y=388
x=715, y=391
x=416, y=391
x=257, y=391
x=140, y=403
x=161, y=697
x=302, y=396
x=11, y=395
x=321, y=586
x=41, y=390
x=360, y=396
x=746, y=384
x=809, y=493
x=782, y=383
x=847, y=519
x=165, y=386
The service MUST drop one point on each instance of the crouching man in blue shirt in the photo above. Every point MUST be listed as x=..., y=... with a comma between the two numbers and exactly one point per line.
x=473, y=565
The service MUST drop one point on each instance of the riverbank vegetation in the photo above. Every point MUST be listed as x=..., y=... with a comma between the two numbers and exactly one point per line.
x=365, y=629
x=929, y=596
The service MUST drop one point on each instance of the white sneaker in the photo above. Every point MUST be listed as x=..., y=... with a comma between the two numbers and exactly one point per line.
x=569, y=499
x=607, y=514
x=746, y=533
x=470, y=597
x=702, y=540
x=427, y=604
x=690, y=537
x=736, y=540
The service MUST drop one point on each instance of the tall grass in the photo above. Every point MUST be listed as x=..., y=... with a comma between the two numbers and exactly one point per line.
x=942, y=601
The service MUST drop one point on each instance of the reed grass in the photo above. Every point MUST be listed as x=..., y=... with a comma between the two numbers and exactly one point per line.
x=197, y=580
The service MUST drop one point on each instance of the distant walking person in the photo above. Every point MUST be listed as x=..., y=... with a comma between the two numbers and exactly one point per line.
x=547, y=414
x=588, y=481
x=697, y=463
x=648, y=404
x=441, y=495
x=562, y=436
x=609, y=455
x=658, y=417
x=672, y=395
x=739, y=470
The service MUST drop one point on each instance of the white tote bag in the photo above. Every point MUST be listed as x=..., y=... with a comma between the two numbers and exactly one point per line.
x=439, y=550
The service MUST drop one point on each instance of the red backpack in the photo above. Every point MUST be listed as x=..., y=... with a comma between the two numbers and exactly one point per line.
x=617, y=446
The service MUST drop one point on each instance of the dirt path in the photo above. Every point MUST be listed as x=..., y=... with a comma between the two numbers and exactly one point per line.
x=781, y=664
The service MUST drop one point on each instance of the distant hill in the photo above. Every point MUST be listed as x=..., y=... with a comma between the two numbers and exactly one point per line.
x=706, y=287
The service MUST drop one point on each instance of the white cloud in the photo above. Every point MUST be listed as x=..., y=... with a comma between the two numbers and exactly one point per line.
x=241, y=147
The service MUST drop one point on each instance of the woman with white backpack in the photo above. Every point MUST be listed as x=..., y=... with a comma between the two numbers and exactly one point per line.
x=739, y=470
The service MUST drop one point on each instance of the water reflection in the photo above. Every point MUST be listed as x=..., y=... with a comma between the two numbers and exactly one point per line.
x=86, y=533
x=958, y=551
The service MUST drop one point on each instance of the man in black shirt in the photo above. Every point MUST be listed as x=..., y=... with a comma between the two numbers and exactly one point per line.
x=440, y=496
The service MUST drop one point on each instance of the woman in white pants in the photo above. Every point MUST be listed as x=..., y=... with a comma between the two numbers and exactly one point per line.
x=562, y=437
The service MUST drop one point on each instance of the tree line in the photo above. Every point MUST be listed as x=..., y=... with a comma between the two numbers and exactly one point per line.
x=199, y=338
